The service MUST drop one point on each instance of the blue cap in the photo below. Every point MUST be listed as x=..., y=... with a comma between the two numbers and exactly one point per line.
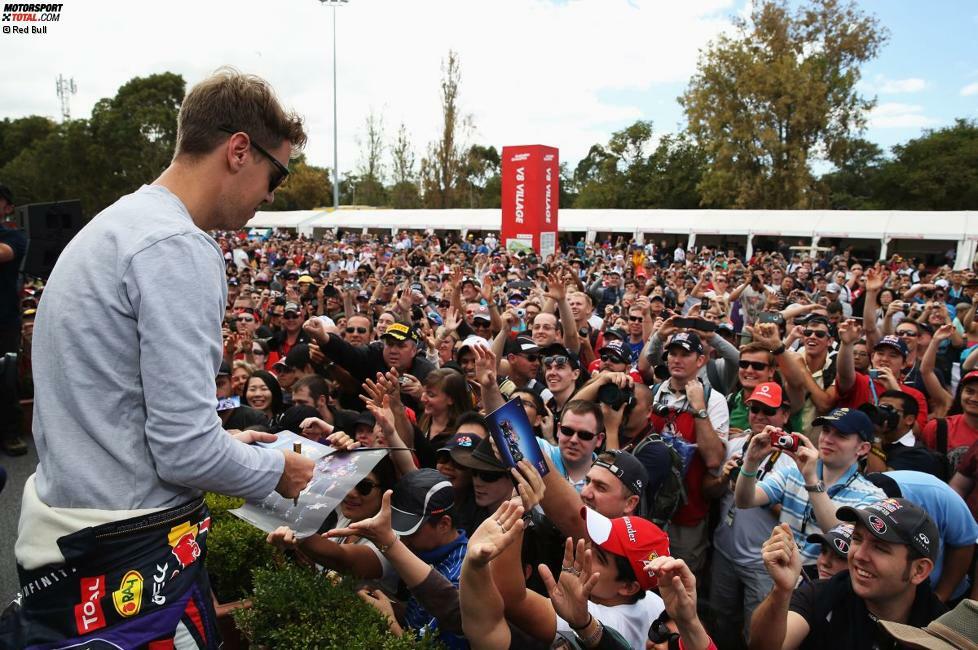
x=893, y=341
x=848, y=421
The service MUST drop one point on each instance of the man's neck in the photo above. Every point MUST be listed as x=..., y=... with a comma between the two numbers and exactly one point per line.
x=564, y=395
x=679, y=384
x=183, y=182
x=815, y=361
x=831, y=475
x=896, y=608
x=577, y=470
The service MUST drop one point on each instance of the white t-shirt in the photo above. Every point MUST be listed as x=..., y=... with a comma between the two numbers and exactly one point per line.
x=630, y=621
x=389, y=579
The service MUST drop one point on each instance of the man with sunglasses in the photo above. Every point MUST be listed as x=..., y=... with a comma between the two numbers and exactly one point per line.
x=739, y=580
x=358, y=330
x=125, y=422
x=561, y=371
x=290, y=335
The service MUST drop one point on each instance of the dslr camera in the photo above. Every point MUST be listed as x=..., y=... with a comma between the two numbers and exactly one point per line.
x=615, y=397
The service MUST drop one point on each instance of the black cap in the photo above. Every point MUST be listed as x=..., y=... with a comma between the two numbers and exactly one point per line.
x=479, y=457
x=626, y=467
x=418, y=496
x=463, y=440
x=895, y=342
x=837, y=539
x=224, y=370
x=898, y=521
x=366, y=418
x=688, y=341
x=292, y=417
x=522, y=345
x=616, y=332
x=296, y=359
x=401, y=331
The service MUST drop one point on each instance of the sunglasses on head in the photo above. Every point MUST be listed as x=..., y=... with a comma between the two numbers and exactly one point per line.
x=366, y=486
x=358, y=330
x=584, y=436
x=756, y=408
x=487, y=477
x=756, y=365
x=558, y=360
x=281, y=171
x=819, y=334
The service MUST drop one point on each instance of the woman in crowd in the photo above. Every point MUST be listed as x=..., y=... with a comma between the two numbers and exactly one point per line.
x=445, y=396
x=241, y=371
x=262, y=392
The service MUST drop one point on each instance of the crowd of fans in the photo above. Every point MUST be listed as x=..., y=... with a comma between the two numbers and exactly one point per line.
x=778, y=452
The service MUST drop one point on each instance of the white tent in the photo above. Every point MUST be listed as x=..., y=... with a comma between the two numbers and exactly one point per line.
x=959, y=228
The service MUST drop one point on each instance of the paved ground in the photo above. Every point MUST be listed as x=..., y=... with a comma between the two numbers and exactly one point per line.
x=18, y=469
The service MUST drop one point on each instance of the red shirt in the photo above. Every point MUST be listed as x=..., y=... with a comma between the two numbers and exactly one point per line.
x=959, y=434
x=861, y=393
x=968, y=466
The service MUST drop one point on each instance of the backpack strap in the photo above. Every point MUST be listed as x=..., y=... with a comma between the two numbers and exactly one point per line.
x=942, y=436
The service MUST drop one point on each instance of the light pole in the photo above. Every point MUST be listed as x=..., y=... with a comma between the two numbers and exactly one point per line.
x=336, y=164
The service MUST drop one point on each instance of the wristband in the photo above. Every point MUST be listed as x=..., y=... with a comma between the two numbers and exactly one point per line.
x=592, y=639
x=383, y=548
x=583, y=627
x=778, y=350
x=744, y=472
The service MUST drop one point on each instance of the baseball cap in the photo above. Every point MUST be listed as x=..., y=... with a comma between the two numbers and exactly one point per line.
x=417, y=496
x=848, y=421
x=833, y=287
x=464, y=440
x=769, y=393
x=478, y=456
x=482, y=313
x=224, y=370
x=471, y=280
x=688, y=341
x=615, y=332
x=526, y=345
x=366, y=418
x=970, y=377
x=297, y=358
x=637, y=540
x=472, y=341
x=892, y=341
x=837, y=539
x=953, y=630
x=291, y=306
x=942, y=283
x=306, y=279
x=401, y=331
x=618, y=350
x=898, y=521
x=628, y=469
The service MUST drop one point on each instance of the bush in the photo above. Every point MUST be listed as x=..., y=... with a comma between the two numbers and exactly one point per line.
x=296, y=608
x=234, y=548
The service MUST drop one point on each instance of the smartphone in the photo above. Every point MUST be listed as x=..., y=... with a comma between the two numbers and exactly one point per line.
x=874, y=373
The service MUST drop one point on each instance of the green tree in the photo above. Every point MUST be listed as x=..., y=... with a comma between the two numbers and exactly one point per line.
x=442, y=168
x=308, y=187
x=403, y=192
x=855, y=184
x=19, y=134
x=676, y=168
x=937, y=171
x=781, y=90
x=370, y=190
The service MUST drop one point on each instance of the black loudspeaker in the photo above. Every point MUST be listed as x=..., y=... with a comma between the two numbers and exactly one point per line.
x=49, y=227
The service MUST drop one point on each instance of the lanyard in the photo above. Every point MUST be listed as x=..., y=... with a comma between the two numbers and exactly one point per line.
x=810, y=510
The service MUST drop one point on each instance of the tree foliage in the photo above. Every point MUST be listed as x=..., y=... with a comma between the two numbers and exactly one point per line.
x=307, y=187
x=442, y=168
x=779, y=92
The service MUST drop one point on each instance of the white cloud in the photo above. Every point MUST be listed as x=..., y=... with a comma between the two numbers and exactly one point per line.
x=898, y=86
x=894, y=115
x=970, y=89
x=533, y=71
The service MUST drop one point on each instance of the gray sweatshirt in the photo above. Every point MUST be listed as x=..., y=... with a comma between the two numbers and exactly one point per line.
x=127, y=343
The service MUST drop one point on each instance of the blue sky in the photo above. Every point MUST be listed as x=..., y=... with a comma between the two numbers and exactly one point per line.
x=564, y=73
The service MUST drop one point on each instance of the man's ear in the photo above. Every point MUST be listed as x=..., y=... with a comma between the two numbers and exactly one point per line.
x=628, y=589
x=920, y=570
x=631, y=503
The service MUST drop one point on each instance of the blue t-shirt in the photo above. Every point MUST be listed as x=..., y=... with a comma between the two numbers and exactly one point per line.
x=446, y=560
x=946, y=508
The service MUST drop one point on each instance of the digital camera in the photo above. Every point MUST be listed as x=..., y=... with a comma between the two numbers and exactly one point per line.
x=785, y=441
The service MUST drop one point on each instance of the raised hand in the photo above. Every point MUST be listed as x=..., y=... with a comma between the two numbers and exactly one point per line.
x=782, y=558
x=495, y=534
x=377, y=528
x=677, y=586
x=849, y=331
x=529, y=484
x=485, y=365
x=875, y=279
x=316, y=328
x=342, y=442
x=570, y=594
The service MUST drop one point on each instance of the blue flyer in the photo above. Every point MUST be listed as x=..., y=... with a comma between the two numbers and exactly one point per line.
x=514, y=436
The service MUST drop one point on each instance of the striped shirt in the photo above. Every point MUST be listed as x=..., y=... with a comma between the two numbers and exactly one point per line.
x=787, y=487
x=446, y=560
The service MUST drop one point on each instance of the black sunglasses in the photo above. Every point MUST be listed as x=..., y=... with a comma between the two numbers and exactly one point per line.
x=487, y=477
x=282, y=170
x=610, y=358
x=756, y=365
x=358, y=330
x=557, y=359
x=532, y=358
x=819, y=334
x=769, y=411
x=290, y=315
x=585, y=436
x=245, y=319
x=636, y=319
x=660, y=633
x=910, y=334
x=366, y=486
